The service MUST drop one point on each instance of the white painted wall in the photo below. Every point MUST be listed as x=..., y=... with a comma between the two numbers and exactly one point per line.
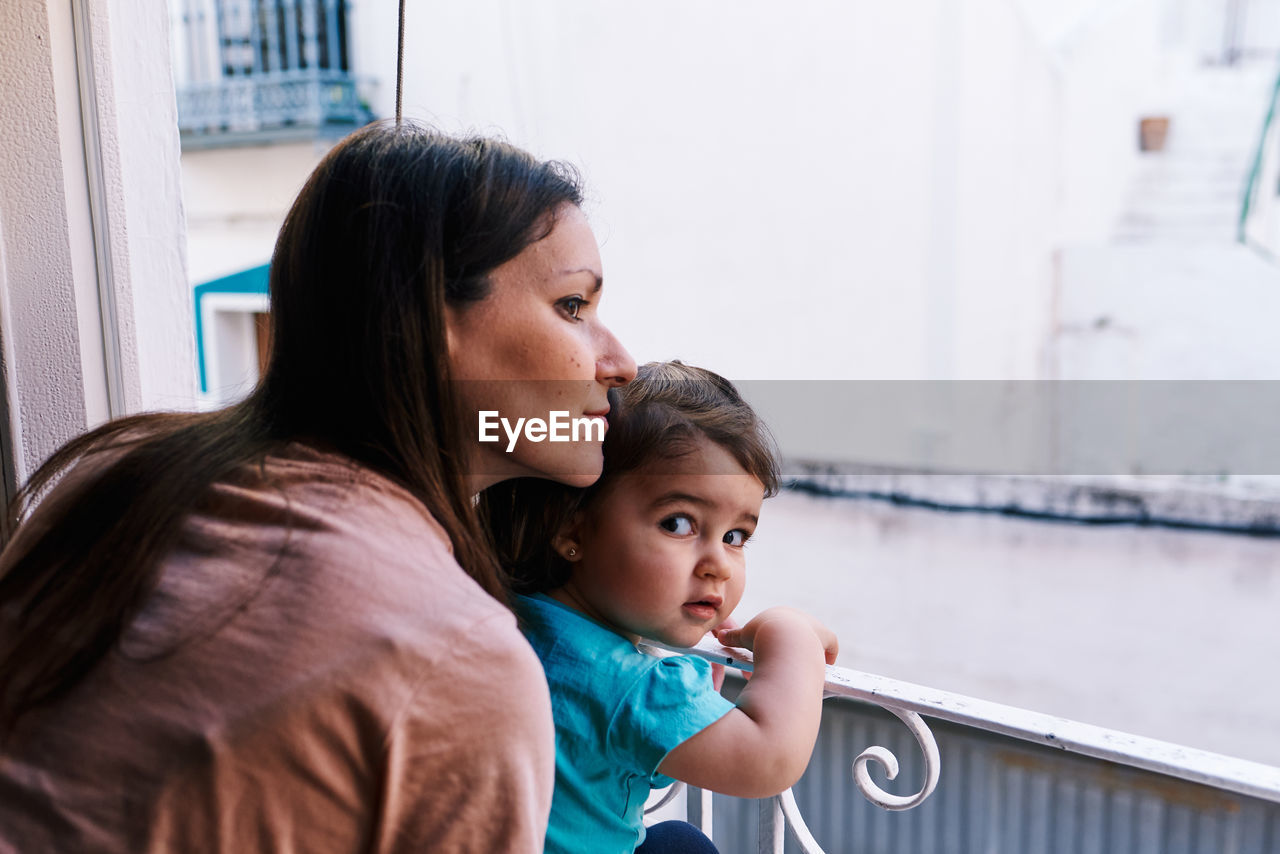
x=1118, y=64
x=140, y=141
x=802, y=191
x=818, y=191
x=236, y=200
x=821, y=190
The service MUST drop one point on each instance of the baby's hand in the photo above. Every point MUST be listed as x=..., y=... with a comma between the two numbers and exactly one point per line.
x=763, y=746
x=745, y=636
x=717, y=670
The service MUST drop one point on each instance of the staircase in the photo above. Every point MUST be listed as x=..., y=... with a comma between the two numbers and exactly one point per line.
x=1172, y=294
x=1191, y=192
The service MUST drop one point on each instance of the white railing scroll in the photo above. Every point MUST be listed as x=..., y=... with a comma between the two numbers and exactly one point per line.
x=836, y=686
x=780, y=813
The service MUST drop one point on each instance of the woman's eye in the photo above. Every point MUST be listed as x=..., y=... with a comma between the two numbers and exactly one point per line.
x=736, y=537
x=681, y=526
x=573, y=306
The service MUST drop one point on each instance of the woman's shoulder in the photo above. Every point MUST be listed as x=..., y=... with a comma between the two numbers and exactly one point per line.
x=311, y=551
x=370, y=537
x=320, y=509
x=328, y=483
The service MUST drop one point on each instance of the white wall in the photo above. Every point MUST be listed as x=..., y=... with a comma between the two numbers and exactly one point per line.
x=822, y=191
x=236, y=200
x=817, y=190
x=139, y=122
x=1116, y=67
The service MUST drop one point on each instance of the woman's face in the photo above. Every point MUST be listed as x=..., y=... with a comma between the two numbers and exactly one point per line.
x=535, y=349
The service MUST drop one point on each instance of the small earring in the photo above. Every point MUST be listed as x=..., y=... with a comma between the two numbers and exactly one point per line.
x=572, y=552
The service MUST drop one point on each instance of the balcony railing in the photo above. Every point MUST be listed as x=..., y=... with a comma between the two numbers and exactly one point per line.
x=263, y=70
x=1259, y=225
x=1018, y=782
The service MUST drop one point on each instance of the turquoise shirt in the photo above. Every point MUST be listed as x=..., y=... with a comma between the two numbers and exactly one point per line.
x=618, y=713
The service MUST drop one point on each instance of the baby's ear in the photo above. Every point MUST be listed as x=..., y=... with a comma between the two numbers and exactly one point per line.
x=567, y=541
x=567, y=548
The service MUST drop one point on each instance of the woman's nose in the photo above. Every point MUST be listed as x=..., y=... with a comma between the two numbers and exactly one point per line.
x=615, y=366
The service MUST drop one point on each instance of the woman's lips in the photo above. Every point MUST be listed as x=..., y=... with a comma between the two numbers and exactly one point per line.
x=602, y=417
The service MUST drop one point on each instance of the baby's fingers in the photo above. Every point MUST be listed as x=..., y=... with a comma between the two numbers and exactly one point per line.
x=732, y=637
x=830, y=643
x=831, y=647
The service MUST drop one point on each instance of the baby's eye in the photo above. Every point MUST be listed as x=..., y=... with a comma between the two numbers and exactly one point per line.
x=736, y=537
x=573, y=306
x=679, y=524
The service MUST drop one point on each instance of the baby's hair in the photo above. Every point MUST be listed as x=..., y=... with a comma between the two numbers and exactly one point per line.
x=660, y=416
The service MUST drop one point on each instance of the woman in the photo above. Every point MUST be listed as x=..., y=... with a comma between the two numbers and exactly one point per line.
x=279, y=626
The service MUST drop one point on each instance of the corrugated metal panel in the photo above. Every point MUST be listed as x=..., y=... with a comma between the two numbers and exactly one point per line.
x=1001, y=796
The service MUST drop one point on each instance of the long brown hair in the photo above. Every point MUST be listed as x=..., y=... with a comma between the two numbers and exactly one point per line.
x=660, y=415
x=396, y=222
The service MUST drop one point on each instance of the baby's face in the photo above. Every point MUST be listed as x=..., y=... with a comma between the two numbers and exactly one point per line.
x=660, y=551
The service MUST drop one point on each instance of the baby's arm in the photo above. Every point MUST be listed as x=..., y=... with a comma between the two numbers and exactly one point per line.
x=763, y=746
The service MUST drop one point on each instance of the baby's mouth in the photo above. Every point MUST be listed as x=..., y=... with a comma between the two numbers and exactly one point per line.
x=705, y=608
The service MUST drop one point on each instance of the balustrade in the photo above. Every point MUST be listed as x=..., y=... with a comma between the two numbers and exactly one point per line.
x=253, y=70
x=1242, y=805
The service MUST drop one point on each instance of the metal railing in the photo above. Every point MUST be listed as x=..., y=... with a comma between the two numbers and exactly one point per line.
x=1251, y=781
x=253, y=70
x=1259, y=224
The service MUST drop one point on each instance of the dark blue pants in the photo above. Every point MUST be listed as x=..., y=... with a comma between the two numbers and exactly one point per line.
x=675, y=837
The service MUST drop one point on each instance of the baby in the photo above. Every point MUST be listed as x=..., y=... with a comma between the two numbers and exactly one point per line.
x=655, y=550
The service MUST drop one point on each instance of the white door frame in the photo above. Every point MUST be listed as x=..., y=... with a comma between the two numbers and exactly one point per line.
x=95, y=307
